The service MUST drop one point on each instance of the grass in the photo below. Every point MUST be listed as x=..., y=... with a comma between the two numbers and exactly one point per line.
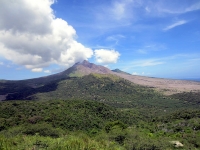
x=77, y=141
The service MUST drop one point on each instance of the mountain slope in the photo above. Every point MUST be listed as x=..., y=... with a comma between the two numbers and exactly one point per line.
x=109, y=89
x=23, y=88
x=77, y=70
x=48, y=87
x=121, y=72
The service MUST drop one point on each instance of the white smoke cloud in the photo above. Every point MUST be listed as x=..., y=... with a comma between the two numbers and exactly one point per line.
x=30, y=35
x=104, y=56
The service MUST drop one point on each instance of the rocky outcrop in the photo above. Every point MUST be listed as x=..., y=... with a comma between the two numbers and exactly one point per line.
x=176, y=144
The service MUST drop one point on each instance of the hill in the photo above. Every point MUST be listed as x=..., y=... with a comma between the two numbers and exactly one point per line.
x=93, y=82
x=119, y=71
x=68, y=115
x=48, y=82
x=109, y=89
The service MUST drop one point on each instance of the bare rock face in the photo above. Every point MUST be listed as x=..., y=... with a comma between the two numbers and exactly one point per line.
x=88, y=64
x=86, y=68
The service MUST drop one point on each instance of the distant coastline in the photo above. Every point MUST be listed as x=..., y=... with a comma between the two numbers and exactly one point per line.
x=193, y=79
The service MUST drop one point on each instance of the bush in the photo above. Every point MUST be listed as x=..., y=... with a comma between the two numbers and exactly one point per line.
x=43, y=130
x=115, y=124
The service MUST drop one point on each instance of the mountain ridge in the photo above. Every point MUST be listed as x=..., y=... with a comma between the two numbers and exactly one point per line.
x=22, y=89
x=77, y=70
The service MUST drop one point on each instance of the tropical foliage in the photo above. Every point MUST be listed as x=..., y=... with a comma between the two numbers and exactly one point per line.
x=79, y=124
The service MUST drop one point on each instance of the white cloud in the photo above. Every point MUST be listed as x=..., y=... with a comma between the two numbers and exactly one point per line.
x=47, y=71
x=164, y=65
x=171, y=7
x=104, y=56
x=151, y=48
x=135, y=73
x=181, y=22
x=151, y=63
x=115, y=38
x=119, y=10
x=147, y=9
x=30, y=35
x=146, y=63
x=26, y=16
x=142, y=74
x=142, y=51
x=132, y=13
x=194, y=7
x=179, y=10
x=37, y=70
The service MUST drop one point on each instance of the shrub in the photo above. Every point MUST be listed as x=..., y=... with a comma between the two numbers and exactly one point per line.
x=115, y=124
x=43, y=130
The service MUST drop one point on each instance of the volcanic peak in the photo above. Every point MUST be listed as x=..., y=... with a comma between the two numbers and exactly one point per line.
x=86, y=68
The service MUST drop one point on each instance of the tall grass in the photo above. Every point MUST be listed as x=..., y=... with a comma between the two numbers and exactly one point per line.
x=70, y=142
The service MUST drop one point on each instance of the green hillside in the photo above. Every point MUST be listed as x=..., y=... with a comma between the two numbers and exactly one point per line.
x=190, y=97
x=111, y=90
x=79, y=124
x=70, y=115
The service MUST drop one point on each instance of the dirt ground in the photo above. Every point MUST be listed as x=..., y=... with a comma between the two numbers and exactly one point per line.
x=166, y=86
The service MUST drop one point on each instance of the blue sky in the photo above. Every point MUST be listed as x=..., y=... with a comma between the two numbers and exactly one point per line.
x=158, y=38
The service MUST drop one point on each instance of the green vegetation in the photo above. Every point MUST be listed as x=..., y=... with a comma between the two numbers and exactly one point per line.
x=190, y=97
x=96, y=112
x=69, y=142
x=111, y=90
x=79, y=124
x=71, y=115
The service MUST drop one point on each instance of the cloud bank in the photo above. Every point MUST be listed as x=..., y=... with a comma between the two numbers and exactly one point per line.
x=31, y=35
